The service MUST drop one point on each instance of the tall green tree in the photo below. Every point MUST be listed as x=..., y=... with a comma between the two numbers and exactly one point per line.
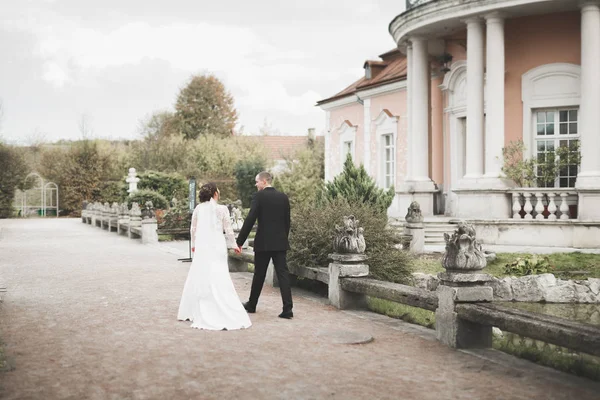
x=13, y=170
x=356, y=186
x=205, y=107
x=79, y=171
x=305, y=170
x=245, y=174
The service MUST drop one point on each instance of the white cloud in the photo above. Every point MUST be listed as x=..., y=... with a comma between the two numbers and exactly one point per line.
x=55, y=74
x=276, y=70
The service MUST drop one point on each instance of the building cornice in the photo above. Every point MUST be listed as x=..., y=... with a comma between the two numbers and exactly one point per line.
x=418, y=20
x=383, y=89
x=344, y=101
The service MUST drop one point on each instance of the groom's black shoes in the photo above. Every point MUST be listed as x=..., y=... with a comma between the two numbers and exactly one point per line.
x=249, y=308
x=287, y=315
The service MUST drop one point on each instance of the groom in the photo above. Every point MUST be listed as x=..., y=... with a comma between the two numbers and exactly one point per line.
x=272, y=210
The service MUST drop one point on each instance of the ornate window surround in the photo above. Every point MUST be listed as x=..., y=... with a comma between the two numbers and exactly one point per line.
x=385, y=124
x=556, y=85
x=347, y=133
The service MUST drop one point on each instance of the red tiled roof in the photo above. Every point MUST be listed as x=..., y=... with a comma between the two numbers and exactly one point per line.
x=278, y=147
x=394, y=64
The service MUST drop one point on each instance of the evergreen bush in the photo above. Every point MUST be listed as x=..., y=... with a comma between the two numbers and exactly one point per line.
x=142, y=196
x=312, y=230
x=356, y=186
x=245, y=173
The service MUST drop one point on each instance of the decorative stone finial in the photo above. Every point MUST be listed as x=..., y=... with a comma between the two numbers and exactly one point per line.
x=414, y=214
x=349, y=238
x=123, y=209
x=148, y=211
x=133, y=180
x=463, y=251
x=135, y=210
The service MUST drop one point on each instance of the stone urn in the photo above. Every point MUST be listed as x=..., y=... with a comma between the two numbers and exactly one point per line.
x=463, y=252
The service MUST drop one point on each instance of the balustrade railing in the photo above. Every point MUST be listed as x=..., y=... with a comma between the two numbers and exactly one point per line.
x=414, y=3
x=542, y=204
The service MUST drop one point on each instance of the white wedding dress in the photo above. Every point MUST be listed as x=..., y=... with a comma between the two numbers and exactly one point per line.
x=209, y=298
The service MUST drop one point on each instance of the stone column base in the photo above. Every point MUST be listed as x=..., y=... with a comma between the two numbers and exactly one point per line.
x=482, y=204
x=402, y=201
x=588, y=207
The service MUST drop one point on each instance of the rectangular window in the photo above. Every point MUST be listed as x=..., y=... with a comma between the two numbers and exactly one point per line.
x=389, y=160
x=346, y=149
x=553, y=129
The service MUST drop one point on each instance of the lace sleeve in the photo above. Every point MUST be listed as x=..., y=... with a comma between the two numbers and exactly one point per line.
x=193, y=227
x=227, y=228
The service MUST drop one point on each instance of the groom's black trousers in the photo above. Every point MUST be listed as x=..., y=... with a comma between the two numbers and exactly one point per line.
x=261, y=263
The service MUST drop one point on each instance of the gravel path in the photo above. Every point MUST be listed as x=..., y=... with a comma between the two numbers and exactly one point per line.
x=92, y=315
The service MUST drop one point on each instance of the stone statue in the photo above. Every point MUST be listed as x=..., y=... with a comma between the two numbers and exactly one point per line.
x=414, y=214
x=349, y=238
x=463, y=251
x=148, y=211
x=135, y=210
x=123, y=209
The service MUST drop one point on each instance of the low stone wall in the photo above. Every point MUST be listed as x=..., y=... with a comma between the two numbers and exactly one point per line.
x=135, y=223
x=531, y=288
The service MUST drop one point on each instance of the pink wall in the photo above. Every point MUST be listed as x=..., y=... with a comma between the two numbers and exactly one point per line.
x=436, y=144
x=531, y=42
x=395, y=103
x=353, y=113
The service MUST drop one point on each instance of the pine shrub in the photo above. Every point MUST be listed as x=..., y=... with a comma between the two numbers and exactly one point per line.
x=356, y=186
x=312, y=233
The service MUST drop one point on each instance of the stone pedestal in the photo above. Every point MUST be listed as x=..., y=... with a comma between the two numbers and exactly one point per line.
x=149, y=234
x=455, y=288
x=346, y=266
x=271, y=277
x=417, y=230
x=122, y=224
x=135, y=219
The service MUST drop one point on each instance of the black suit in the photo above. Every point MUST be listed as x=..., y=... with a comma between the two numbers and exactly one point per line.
x=272, y=210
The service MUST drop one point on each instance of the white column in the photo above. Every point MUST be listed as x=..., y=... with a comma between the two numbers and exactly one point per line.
x=589, y=118
x=475, y=59
x=420, y=111
x=494, y=87
x=367, y=136
x=328, y=159
x=409, y=107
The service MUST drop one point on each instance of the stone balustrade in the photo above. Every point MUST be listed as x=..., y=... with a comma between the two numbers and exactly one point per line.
x=463, y=298
x=542, y=203
x=135, y=222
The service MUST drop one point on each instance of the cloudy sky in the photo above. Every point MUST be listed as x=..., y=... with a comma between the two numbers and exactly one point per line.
x=111, y=63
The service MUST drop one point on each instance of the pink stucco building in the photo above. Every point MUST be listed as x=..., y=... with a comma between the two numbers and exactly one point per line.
x=469, y=77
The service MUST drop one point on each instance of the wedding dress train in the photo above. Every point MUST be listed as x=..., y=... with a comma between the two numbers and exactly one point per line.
x=209, y=297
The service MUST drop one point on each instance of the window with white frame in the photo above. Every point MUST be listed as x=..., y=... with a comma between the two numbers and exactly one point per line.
x=556, y=128
x=347, y=149
x=388, y=166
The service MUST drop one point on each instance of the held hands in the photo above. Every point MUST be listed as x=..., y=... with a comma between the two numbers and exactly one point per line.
x=238, y=250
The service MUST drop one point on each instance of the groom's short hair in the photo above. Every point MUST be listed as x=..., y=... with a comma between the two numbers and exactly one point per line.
x=265, y=176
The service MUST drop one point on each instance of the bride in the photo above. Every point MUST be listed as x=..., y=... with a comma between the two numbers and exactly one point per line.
x=209, y=298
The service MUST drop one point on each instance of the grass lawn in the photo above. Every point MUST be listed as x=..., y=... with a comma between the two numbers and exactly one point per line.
x=564, y=265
